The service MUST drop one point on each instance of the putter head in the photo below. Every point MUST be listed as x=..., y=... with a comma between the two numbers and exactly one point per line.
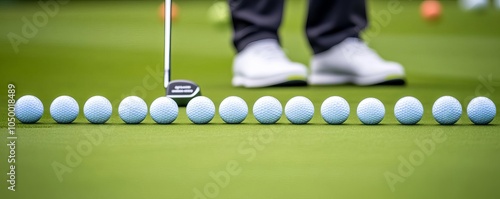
x=182, y=91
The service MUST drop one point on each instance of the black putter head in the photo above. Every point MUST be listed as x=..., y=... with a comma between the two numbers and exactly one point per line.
x=182, y=91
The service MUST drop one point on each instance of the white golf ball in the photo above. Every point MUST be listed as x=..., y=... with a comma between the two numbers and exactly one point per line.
x=408, y=110
x=133, y=110
x=481, y=110
x=64, y=109
x=29, y=109
x=233, y=110
x=164, y=110
x=371, y=111
x=97, y=110
x=335, y=110
x=200, y=110
x=447, y=110
x=267, y=110
x=299, y=110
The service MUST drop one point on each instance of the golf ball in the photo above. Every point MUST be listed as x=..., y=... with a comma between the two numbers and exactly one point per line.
x=97, y=110
x=133, y=110
x=481, y=110
x=447, y=110
x=335, y=110
x=64, y=109
x=29, y=109
x=200, y=110
x=233, y=110
x=299, y=110
x=267, y=110
x=408, y=110
x=164, y=110
x=371, y=111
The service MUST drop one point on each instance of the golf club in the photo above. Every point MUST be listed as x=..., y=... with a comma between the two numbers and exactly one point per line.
x=181, y=91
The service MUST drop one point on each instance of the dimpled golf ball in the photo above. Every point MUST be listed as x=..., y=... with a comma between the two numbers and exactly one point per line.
x=267, y=110
x=299, y=110
x=133, y=110
x=335, y=110
x=371, y=111
x=200, y=110
x=408, y=110
x=97, y=110
x=233, y=110
x=29, y=109
x=447, y=110
x=164, y=110
x=481, y=110
x=64, y=109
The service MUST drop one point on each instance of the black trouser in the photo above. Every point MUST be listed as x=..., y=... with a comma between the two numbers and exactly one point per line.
x=329, y=22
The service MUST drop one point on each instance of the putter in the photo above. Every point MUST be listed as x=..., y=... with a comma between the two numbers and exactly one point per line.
x=181, y=91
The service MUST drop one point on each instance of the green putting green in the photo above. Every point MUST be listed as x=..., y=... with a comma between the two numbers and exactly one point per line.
x=115, y=49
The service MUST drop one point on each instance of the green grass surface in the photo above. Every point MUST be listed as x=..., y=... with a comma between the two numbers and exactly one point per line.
x=110, y=48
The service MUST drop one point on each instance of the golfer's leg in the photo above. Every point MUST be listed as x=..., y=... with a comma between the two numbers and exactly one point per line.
x=255, y=20
x=340, y=57
x=260, y=61
x=329, y=22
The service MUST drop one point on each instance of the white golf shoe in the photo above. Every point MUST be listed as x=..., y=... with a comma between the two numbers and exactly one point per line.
x=263, y=63
x=353, y=62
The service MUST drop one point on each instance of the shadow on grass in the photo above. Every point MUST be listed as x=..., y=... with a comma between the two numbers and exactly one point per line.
x=476, y=125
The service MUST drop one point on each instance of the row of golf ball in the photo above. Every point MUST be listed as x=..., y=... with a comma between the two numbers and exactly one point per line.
x=266, y=110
